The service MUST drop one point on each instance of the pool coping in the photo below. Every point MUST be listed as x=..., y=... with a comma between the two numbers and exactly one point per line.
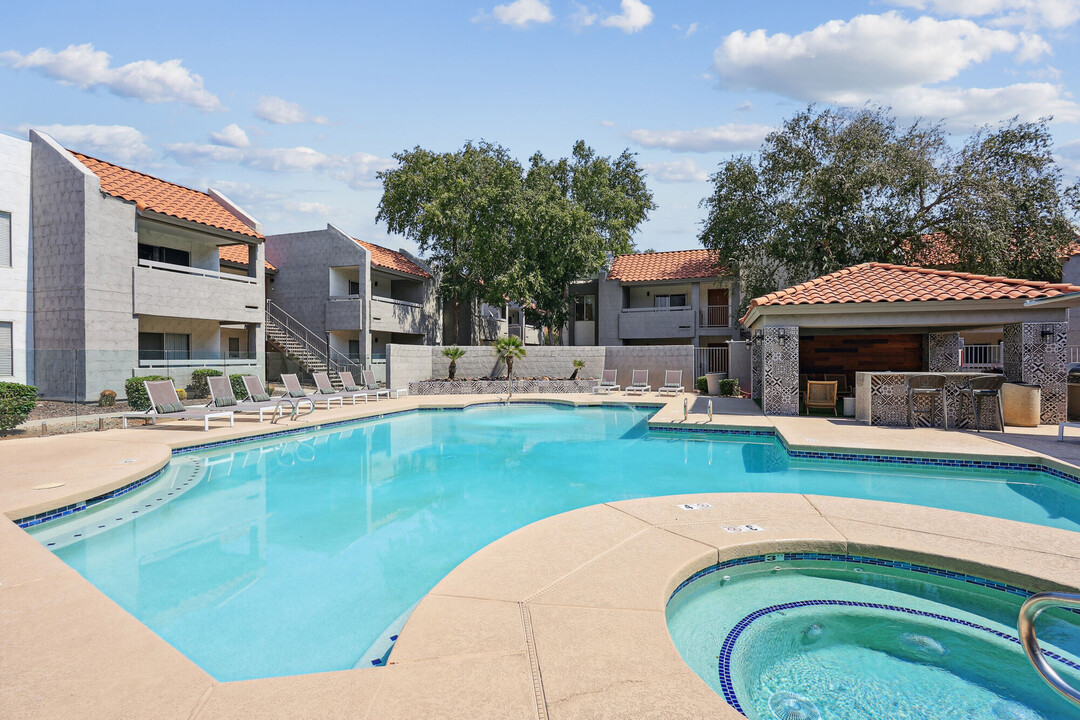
x=562, y=618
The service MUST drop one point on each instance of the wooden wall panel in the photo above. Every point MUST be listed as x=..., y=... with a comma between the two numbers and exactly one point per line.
x=848, y=354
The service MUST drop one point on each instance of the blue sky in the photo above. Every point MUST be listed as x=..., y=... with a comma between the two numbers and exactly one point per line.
x=291, y=110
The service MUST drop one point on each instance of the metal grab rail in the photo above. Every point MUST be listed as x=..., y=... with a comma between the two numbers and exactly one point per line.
x=1025, y=626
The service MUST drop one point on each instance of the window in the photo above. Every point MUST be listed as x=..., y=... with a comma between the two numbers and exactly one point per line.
x=354, y=350
x=585, y=308
x=669, y=300
x=164, y=255
x=7, y=353
x=164, y=346
x=5, y=239
x=354, y=287
x=234, y=347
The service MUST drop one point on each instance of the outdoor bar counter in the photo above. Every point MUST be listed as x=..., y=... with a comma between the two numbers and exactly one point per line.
x=881, y=399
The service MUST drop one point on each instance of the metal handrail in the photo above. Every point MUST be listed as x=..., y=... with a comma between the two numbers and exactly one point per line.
x=1025, y=626
x=309, y=339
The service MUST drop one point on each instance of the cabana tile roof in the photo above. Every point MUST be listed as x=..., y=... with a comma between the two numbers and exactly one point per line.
x=676, y=265
x=161, y=196
x=885, y=283
x=391, y=260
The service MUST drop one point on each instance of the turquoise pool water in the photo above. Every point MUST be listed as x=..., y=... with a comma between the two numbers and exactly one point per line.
x=306, y=553
x=847, y=641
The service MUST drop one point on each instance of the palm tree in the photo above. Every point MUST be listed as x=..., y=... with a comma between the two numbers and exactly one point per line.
x=578, y=365
x=454, y=353
x=506, y=349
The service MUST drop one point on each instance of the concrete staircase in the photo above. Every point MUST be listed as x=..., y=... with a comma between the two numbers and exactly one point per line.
x=285, y=340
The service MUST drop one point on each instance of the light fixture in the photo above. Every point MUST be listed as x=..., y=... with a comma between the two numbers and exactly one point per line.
x=1047, y=332
x=781, y=335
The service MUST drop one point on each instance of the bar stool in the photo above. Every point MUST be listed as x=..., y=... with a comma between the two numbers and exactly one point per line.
x=931, y=386
x=985, y=386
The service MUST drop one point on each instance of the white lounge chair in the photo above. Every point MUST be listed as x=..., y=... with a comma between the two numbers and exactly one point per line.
x=672, y=383
x=221, y=395
x=350, y=385
x=293, y=390
x=370, y=383
x=608, y=382
x=323, y=384
x=639, y=383
x=165, y=403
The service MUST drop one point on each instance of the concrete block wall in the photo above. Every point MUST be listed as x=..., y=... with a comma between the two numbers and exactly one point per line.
x=739, y=356
x=408, y=363
x=541, y=361
x=654, y=358
x=16, y=281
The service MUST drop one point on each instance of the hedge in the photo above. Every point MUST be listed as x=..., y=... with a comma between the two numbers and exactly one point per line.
x=136, y=391
x=702, y=385
x=238, y=390
x=198, y=387
x=730, y=388
x=16, y=403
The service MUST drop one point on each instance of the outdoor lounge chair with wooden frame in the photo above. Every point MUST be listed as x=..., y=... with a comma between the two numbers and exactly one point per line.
x=293, y=390
x=820, y=395
x=608, y=381
x=323, y=384
x=672, y=383
x=164, y=403
x=639, y=383
x=221, y=393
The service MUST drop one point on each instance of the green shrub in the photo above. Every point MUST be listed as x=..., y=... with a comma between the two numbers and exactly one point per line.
x=198, y=388
x=107, y=398
x=730, y=388
x=136, y=391
x=238, y=390
x=16, y=403
x=702, y=385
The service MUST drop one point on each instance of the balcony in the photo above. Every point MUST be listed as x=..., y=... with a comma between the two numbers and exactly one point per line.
x=169, y=290
x=656, y=323
x=716, y=316
x=400, y=316
x=345, y=313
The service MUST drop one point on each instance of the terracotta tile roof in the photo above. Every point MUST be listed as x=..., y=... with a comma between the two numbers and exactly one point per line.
x=676, y=265
x=151, y=193
x=238, y=254
x=881, y=282
x=391, y=260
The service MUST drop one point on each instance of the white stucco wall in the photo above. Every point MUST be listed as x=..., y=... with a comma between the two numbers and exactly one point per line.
x=16, y=282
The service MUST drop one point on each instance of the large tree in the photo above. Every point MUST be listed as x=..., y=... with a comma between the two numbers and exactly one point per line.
x=833, y=188
x=456, y=207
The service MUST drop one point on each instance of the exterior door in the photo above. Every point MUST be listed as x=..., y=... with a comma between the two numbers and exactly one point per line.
x=716, y=313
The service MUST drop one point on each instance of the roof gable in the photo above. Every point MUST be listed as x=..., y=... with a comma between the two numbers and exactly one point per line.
x=392, y=260
x=675, y=265
x=161, y=196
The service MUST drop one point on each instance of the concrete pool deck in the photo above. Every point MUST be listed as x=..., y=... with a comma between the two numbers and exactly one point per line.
x=561, y=619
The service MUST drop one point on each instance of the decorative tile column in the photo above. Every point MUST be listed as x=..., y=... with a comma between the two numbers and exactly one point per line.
x=944, y=352
x=1036, y=353
x=780, y=371
x=755, y=364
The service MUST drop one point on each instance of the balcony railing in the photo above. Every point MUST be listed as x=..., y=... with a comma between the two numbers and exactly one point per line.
x=200, y=272
x=181, y=359
x=981, y=357
x=713, y=316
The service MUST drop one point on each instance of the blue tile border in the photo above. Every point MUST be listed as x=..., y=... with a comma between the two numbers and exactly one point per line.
x=48, y=515
x=728, y=647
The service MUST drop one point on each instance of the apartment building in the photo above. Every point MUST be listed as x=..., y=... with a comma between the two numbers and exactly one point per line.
x=128, y=277
x=353, y=296
x=16, y=269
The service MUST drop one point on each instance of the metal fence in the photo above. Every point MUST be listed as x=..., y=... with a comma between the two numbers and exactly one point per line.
x=710, y=359
x=982, y=357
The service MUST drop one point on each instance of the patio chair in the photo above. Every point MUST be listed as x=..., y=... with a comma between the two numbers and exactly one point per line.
x=326, y=389
x=608, y=382
x=221, y=395
x=672, y=383
x=639, y=383
x=165, y=403
x=842, y=389
x=370, y=383
x=820, y=395
x=933, y=387
x=349, y=384
x=293, y=390
x=985, y=386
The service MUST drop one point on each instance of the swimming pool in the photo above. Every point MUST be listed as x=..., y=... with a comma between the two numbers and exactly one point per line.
x=306, y=553
x=804, y=637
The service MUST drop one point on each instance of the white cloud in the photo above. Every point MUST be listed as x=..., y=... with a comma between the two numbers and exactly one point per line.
x=358, y=169
x=582, y=17
x=722, y=138
x=282, y=112
x=117, y=143
x=232, y=135
x=635, y=15
x=607, y=123
x=868, y=54
x=963, y=108
x=1055, y=14
x=146, y=80
x=519, y=13
x=677, y=171
x=1069, y=157
x=690, y=29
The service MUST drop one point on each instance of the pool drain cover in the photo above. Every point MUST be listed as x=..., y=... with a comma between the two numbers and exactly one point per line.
x=789, y=706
